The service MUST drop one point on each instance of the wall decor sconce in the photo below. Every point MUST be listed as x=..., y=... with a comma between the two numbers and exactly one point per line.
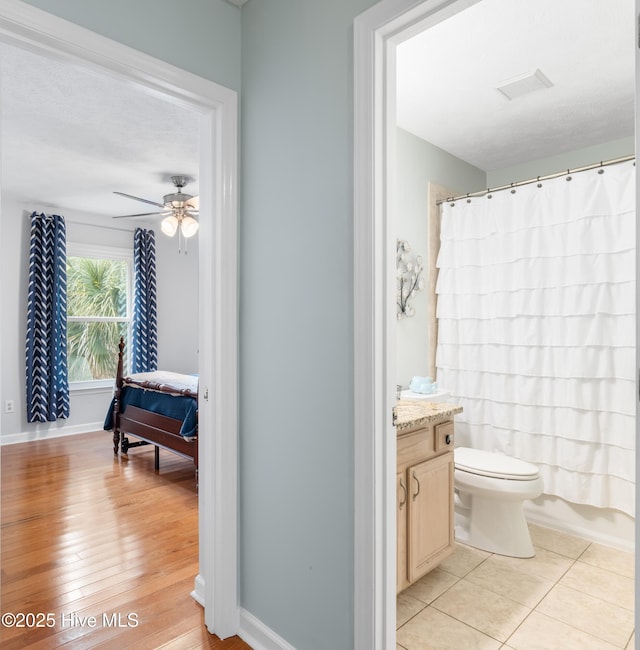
x=409, y=278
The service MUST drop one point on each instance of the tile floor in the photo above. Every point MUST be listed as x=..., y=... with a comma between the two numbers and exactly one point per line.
x=572, y=594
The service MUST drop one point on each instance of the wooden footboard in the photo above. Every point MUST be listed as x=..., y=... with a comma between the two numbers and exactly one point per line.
x=148, y=427
x=155, y=429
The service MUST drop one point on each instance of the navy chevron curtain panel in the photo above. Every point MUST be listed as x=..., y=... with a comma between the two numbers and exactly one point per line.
x=144, y=343
x=46, y=344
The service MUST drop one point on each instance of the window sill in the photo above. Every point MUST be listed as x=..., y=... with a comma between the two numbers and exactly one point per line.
x=89, y=387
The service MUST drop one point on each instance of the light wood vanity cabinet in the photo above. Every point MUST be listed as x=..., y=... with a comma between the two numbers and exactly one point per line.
x=424, y=500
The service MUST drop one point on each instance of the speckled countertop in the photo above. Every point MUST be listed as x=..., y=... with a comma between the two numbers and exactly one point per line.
x=413, y=413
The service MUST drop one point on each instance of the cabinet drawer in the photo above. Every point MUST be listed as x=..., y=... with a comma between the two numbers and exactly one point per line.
x=414, y=446
x=444, y=435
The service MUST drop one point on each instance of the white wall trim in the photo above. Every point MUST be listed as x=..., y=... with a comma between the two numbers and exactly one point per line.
x=198, y=590
x=637, y=142
x=218, y=345
x=36, y=30
x=254, y=632
x=47, y=433
x=573, y=528
x=376, y=33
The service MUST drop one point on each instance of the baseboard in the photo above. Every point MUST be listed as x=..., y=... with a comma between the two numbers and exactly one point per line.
x=198, y=590
x=252, y=630
x=46, y=433
x=258, y=635
x=577, y=530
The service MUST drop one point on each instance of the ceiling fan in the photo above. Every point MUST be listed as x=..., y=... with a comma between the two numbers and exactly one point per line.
x=178, y=209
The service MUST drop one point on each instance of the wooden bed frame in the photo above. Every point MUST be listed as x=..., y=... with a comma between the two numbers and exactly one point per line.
x=150, y=428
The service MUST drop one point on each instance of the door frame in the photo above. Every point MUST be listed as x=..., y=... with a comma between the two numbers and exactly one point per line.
x=637, y=141
x=31, y=28
x=377, y=32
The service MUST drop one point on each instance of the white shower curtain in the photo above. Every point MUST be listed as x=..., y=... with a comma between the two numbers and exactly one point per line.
x=536, y=329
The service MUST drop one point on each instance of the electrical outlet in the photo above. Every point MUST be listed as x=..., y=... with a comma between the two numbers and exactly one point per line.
x=9, y=406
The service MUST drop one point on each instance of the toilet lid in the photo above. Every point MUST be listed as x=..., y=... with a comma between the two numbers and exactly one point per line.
x=486, y=463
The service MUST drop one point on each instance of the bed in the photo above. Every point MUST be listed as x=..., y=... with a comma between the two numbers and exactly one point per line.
x=158, y=408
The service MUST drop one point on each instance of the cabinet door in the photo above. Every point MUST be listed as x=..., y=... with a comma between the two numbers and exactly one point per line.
x=430, y=520
x=402, y=499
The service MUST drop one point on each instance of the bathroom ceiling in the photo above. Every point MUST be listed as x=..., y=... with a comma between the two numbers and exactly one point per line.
x=71, y=136
x=448, y=78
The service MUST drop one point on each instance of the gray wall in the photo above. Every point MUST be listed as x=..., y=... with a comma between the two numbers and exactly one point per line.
x=418, y=163
x=560, y=162
x=177, y=287
x=296, y=336
x=201, y=36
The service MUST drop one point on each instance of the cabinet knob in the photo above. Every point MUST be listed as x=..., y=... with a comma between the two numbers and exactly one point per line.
x=447, y=439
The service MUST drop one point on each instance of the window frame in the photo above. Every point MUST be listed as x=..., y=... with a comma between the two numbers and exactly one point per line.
x=96, y=251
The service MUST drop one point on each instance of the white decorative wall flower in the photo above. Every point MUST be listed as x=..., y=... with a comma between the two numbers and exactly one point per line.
x=409, y=278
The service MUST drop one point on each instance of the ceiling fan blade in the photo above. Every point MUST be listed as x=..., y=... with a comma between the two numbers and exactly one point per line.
x=194, y=202
x=137, y=198
x=142, y=214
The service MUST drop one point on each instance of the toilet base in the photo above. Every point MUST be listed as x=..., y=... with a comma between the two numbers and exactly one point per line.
x=494, y=526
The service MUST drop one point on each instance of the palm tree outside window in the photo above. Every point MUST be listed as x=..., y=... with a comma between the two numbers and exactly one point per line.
x=98, y=311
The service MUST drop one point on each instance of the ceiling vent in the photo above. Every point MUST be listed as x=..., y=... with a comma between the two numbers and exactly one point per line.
x=524, y=84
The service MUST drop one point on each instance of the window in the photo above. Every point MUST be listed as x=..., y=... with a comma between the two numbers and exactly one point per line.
x=98, y=311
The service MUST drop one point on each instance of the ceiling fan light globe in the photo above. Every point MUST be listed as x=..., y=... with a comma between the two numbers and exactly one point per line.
x=169, y=225
x=189, y=226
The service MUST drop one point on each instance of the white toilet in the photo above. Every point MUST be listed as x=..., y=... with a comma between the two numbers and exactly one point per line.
x=490, y=492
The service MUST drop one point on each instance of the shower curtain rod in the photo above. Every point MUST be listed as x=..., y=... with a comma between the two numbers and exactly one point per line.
x=479, y=193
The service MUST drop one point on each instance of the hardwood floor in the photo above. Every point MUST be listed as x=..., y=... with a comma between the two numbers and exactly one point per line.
x=87, y=534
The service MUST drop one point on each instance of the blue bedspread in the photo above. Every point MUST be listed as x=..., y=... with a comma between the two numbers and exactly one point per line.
x=173, y=406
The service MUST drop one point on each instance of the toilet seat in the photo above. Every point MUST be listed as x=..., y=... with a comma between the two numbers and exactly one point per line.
x=486, y=463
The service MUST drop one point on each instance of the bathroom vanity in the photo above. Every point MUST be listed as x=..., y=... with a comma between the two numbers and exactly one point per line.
x=424, y=487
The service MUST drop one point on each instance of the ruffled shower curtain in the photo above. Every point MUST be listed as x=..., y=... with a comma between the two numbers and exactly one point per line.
x=536, y=329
